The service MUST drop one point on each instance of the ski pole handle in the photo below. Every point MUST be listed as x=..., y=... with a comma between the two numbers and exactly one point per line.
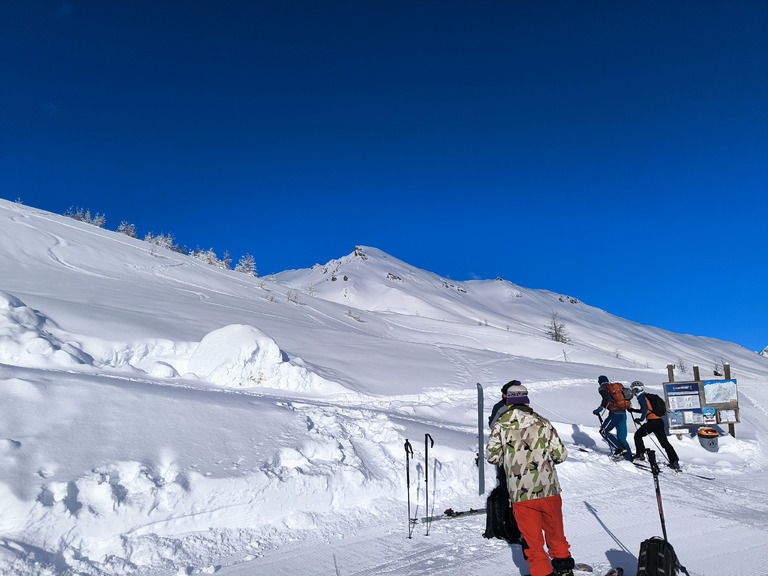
x=652, y=461
x=408, y=455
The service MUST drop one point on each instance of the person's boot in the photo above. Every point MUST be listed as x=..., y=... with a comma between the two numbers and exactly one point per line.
x=563, y=566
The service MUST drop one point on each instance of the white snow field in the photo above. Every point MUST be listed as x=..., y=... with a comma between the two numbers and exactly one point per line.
x=160, y=416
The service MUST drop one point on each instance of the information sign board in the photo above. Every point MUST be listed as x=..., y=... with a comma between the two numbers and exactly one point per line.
x=700, y=403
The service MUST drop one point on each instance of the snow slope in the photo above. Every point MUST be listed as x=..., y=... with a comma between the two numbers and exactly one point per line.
x=160, y=416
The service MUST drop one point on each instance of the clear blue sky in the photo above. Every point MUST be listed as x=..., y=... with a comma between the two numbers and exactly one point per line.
x=616, y=152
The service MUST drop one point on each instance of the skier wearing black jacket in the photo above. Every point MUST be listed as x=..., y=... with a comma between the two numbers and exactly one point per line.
x=653, y=425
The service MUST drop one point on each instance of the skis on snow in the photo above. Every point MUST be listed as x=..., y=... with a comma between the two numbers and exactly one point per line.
x=613, y=457
x=605, y=435
x=644, y=465
x=677, y=472
x=450, y=514
x=579, y=567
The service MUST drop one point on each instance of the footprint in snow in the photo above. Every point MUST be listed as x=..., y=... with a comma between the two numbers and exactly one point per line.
x=9, y=444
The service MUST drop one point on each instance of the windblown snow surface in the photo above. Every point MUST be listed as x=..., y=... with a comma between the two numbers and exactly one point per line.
x=160, y=416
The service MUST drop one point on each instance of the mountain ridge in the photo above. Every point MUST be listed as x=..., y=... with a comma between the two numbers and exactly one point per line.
x=367, y=292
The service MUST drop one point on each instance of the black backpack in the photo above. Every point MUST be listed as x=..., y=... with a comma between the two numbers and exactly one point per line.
x=658, y=406
x=499, y=520
x=658, y=558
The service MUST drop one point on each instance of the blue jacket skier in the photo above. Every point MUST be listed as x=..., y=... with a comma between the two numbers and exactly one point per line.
x=617, y=416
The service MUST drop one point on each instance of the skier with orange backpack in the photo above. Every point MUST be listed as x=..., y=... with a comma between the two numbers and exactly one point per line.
x=616, y=399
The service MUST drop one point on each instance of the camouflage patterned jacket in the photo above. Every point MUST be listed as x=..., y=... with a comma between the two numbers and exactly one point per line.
x=528, y=446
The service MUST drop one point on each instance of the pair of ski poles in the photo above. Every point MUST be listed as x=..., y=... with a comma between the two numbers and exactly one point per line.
x=428, y=441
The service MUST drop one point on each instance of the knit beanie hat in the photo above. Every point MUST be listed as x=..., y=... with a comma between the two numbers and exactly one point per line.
x=517, y=394
x=603, y=380
x=509, y=384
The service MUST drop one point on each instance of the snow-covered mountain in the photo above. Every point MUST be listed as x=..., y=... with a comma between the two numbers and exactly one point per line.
x=164, y=416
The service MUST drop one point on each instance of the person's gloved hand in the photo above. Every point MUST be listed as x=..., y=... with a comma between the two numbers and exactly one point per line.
x=597, y=411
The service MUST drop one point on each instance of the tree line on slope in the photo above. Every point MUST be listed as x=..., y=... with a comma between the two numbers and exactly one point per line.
x=246, y=264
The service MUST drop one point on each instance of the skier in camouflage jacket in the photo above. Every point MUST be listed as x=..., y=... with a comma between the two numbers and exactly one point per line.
x=528, y=447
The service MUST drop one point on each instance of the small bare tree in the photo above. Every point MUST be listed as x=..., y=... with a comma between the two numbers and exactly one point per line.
x=719, y=367
x=353, y=315
x=293, y=296
x=555, y=330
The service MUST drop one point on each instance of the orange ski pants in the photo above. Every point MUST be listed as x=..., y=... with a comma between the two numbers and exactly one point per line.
x=539, y=520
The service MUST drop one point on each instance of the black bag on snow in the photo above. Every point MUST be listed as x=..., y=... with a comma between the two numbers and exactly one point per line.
x=499, y=520
x=658, y=558
x=658, y=406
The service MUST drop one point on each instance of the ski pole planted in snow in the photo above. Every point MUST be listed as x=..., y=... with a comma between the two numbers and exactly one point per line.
x=408, y=456
x=427, y=442
x=655, y=472
x=605, y=435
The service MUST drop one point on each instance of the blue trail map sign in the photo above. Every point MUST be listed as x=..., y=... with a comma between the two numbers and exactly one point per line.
x=700, y=403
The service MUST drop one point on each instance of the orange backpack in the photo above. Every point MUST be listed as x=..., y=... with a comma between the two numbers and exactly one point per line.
x=621, y=397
